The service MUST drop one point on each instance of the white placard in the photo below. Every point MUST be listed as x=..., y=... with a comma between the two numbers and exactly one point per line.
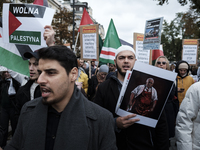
x=142, y=55
x=152, y=34
x=24, y=23
x=89, y=46
x=190, y=53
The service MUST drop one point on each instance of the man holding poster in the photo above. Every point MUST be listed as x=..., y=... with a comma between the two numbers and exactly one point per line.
x=129, y=134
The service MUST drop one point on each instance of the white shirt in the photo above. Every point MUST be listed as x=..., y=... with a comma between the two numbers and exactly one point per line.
x=32, y=89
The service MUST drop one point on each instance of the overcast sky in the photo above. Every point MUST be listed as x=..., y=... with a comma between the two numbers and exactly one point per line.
x=130, y=16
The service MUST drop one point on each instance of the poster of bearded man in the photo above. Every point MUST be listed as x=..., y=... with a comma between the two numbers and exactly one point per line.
x=144, y=92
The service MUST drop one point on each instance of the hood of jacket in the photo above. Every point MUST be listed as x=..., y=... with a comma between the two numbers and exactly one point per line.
x=177, y=66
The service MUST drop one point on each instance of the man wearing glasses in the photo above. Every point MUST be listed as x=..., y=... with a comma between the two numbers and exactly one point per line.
x=143, y=98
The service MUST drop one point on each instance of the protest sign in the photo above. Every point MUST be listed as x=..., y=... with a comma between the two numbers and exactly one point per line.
x=89, y=40
x=152, y=36
x=141, y=55
x=24, y=23
x=190, y=51
x=143, y=93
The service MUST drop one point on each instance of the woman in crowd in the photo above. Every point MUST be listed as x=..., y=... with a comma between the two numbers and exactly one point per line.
x=183, y=80
x=96, y=80
x=8, y=90
x=82, y=79
x=171, y=107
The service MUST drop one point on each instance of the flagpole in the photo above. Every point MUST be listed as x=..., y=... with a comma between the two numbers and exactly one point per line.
x=96, y=69
x=76, y=43
x=73, y=24
x=89, y=69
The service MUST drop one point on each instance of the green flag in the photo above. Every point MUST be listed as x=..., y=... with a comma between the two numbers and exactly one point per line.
x=110, y=45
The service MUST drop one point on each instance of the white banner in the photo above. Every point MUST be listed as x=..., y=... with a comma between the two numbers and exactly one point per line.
x=142, y=55
x=190, y=53
x=89, y=46
x=152, y=34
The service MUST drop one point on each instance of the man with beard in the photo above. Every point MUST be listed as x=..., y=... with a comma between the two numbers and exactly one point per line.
x=129, y=134
x=62, y=118
x=143, y=98
x=112, y=69
x=81, y=63
x=31, y=89
x=96, y=80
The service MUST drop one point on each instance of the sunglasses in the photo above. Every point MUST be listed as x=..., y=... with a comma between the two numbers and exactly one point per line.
x=161, y=62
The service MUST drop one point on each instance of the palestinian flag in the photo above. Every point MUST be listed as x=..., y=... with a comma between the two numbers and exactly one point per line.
x=11, y=58
x=156, y=53
x=111, y=44
x=41, y=2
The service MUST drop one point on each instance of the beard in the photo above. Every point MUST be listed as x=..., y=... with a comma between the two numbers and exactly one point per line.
x=51, y=102
x=120, y=71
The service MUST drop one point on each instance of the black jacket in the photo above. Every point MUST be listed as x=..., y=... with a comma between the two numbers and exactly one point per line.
x=92, y=84
x=82, y=126
x=7, y=101
x=23, y=95
x=171, y=110
x=137, y=137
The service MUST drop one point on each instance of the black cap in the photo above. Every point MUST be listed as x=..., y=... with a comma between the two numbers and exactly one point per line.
x=28, y=55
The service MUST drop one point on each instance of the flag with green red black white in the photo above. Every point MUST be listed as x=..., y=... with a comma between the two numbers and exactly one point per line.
x=24, y=23
x=11, y=58
x=12, y=55
x=110, y=45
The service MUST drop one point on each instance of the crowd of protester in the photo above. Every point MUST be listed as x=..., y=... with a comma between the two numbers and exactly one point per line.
x=100, y=85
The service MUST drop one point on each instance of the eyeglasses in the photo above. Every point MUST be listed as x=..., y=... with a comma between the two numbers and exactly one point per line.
x=161, y=62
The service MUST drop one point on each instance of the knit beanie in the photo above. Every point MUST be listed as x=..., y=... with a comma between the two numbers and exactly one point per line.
x=183, y=66
x=103, y=68
x=124, y=48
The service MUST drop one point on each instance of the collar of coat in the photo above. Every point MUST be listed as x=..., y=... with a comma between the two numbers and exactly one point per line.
x=73, y=124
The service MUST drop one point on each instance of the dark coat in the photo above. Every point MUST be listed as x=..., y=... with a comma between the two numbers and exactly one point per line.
x=23, y=95
x=7, y=101
x=83, y=125
x=171, y=110
x=137, y=137
x=92, y=84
